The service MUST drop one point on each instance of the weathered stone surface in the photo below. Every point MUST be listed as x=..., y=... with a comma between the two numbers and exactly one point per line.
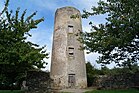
x=68, y=62
x=38, y=82
x=118, y=81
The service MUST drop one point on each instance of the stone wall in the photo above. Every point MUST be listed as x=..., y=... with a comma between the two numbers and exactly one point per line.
x=119, y=81
x=136, y=80
x=38, y=82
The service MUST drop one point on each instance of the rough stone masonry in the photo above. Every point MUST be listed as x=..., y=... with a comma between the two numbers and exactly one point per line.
x=68, y=68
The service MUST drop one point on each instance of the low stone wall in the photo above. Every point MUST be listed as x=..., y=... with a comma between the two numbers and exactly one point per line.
x=119, y=81
x=38, y=82
x=136, y=79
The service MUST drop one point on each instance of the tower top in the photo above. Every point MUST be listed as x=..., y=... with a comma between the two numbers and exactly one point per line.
x=68, y=8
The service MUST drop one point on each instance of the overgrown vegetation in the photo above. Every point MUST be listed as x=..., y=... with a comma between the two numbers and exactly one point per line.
x=17, y=56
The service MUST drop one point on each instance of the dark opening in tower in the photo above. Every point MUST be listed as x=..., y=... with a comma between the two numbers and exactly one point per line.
x=71, y=51
x=71, y=80
x=70, y=29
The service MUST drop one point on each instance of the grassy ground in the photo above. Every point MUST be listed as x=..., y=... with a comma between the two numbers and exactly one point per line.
x=93, y=91
x=9, y=91
x=114, y=91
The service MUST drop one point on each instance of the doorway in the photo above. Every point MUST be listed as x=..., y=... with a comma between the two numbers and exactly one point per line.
x=71, y=80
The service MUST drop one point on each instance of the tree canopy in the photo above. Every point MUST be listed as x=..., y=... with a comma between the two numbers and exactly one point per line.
x=17, y=55
x=118, y=38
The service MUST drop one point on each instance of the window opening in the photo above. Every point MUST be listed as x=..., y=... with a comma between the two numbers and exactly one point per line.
x=70, y=29
x=71, y=51
x=71, y=48
x=70, y=54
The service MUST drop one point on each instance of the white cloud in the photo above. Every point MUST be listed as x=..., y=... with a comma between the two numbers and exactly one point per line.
x=49, y=50
x=92, y=57
x=47, y=67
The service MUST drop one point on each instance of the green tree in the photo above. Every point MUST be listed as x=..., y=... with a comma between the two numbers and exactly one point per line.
x=17, y=55
x=118, y=38
x=104, y=70
x=90, y=74
x=93, y=73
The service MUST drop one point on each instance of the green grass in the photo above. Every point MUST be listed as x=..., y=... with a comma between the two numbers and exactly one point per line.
x=9, y=91
x=114, y=91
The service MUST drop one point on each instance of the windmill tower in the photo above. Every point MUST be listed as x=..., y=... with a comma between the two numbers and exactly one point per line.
x=68, y=68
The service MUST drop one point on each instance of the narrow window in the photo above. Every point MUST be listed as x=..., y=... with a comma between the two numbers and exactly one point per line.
x=70, y=29
x=71, y=51
x=71, y=48
x=70, y=54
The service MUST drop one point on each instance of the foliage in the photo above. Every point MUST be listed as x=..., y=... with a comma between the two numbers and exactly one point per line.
x=93, y=73
x=117, y=39
x=90, y=74
x=124, y=70
x=114, y=91
x=17, y=55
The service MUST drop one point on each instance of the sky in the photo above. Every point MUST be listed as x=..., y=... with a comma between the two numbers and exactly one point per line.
x=43, y=35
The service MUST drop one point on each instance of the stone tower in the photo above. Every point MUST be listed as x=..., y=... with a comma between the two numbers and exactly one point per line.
x=68, y=68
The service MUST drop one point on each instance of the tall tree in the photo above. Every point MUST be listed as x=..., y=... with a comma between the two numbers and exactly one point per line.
x=17, y=55
x=118, y=38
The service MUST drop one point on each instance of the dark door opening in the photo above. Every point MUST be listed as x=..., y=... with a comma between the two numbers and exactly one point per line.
x=71, y=80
